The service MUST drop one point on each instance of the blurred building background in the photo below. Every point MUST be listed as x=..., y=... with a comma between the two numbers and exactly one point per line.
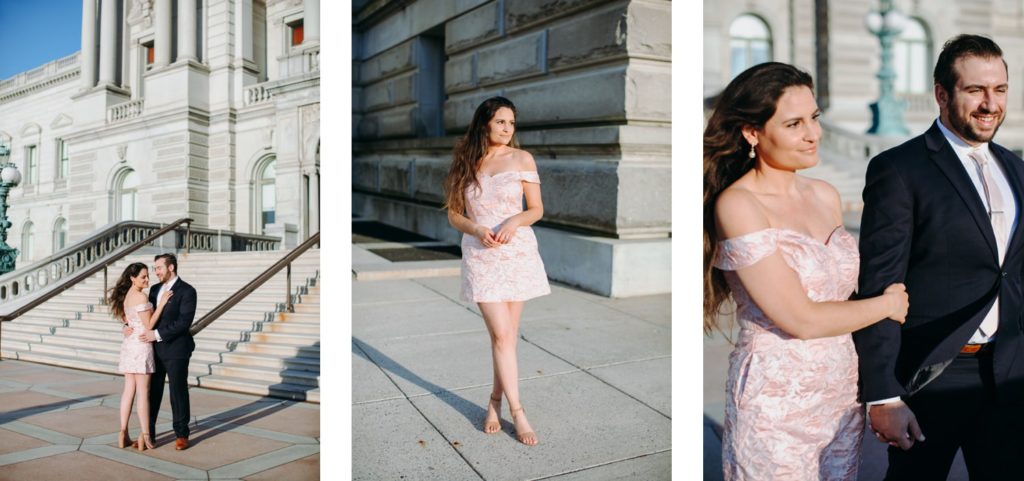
x=830, y=40
x=206, y=109
x=591, y=80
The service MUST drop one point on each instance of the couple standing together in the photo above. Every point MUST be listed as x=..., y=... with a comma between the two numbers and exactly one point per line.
x=157, y=343
x=941, y=224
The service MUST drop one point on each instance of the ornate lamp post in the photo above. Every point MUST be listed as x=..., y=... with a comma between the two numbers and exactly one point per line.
x=887, y=112
x=9, y=178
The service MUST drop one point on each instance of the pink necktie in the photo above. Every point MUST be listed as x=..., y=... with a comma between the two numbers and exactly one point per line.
x=996, y=215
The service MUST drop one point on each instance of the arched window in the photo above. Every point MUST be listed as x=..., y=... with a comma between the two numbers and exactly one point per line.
x=750, y=43
x=266, y=194
x=126, y=195
x=912, y=59
x=27, y=237
x=60, y=234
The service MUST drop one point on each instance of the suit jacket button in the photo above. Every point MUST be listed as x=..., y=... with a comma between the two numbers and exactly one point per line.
x=1005, y=274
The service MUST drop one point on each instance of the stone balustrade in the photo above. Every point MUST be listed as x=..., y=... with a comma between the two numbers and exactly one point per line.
x=257, y=94
x=124, y=111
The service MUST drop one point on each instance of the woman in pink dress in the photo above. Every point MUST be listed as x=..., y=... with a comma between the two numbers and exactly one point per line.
x=501, y=267
x=774, y=241
x=128, y=303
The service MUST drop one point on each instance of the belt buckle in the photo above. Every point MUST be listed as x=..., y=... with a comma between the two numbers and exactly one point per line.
x=971, y=348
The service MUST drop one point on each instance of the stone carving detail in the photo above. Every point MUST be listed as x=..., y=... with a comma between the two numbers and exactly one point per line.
x=141, y=11
x=310, y=118
x=122, y=150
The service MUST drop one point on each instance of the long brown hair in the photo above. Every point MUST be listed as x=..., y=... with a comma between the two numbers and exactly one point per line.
x=470, y=150
x=749, y=100
x=116, y=294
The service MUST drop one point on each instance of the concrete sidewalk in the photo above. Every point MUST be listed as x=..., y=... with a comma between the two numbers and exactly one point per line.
x=595, y=379
x=58, y=423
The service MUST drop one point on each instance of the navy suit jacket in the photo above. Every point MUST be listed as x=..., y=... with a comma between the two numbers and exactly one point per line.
x=175, y=321
x=924, y=224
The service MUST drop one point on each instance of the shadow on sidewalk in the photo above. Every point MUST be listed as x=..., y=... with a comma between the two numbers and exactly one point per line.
x=472, y=412
x=6, y=417
x=240, y=415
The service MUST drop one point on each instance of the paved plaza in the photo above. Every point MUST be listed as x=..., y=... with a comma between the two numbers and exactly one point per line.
x=62, y=424
x=595, y=379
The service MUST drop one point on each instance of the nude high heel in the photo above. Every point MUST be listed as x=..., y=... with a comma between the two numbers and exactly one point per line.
x=145, y=442
x=123, y=440
x=491, y=427
x=527, y=438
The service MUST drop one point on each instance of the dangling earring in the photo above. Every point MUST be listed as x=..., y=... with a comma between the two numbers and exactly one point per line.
x=752, y=154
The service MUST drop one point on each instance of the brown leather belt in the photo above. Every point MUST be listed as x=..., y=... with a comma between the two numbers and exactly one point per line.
x=975, y=349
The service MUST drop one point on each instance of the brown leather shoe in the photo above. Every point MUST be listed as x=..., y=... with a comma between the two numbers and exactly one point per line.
x=181, y=444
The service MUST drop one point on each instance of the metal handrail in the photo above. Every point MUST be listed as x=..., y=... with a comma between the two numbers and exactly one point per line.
x=254, y=284
x=102, y=265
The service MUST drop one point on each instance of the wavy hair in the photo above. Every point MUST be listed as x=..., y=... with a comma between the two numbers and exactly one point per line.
x=469, y=151
x=749, y=100
x=116, y=294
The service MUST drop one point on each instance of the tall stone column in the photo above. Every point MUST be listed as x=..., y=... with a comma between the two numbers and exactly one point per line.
x=243, y=30
x=88, y=56
x=108, y=41
x=311, y=21
x=187, y=30
x=162, y=40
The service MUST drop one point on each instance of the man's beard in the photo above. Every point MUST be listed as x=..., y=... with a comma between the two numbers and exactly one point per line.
x=962, y=125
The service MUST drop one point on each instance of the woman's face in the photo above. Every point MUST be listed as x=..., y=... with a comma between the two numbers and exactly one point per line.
x=501, y=127
x=141, y=281
x=789, y=140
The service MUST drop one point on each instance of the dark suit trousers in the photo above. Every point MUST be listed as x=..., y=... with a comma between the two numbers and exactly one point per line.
x=176, y=372
x=956, y=411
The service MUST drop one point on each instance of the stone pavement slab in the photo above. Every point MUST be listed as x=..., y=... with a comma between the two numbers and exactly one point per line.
x=392, y=440
x=369, y=383
x=651, y=467
x=305, y=468
x=50, y=431
x=580, y=421
x=390, y=292
x=422, y=365
x=648, y=381
x=413, y=319
x=611, y=338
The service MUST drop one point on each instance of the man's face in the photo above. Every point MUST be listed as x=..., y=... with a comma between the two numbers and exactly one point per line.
x=977, y=106
x=164, y=272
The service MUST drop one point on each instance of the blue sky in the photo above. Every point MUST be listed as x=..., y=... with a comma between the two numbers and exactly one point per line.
x=34, y=32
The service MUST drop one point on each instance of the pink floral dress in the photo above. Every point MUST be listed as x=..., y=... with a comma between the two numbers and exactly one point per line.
x=136, y=356
x=791, y=405
x=509, y=272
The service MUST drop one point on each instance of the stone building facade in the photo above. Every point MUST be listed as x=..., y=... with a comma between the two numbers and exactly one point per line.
x=829, y=39
x=591, y=80
x=206, y=109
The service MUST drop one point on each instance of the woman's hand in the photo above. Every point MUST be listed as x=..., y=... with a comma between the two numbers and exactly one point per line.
x=900, y=302
x=507, y=231
x=163, y=299
x=485, y=235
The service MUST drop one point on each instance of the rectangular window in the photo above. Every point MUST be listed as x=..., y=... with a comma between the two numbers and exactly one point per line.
x=31, y=164
x=62, y=159
x=296, y=28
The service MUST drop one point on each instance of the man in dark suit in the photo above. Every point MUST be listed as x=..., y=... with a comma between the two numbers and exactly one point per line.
x=173, y=346
x=942, y=215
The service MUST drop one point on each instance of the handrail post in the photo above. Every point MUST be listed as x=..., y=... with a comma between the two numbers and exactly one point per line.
x=104, y=280
x=188, y=237
x=288, y=293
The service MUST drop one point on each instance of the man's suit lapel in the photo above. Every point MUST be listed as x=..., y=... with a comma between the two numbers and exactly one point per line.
x=947, y=161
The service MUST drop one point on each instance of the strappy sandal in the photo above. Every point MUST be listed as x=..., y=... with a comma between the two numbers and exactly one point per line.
x=528, y=438
x=491, y=427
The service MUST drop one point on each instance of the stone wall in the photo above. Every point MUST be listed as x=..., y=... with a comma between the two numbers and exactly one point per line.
x=591, y=80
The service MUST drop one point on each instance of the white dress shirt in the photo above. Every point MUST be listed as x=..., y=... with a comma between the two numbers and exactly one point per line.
x=163, y=288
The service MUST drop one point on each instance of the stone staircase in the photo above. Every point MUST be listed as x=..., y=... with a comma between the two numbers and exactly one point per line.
x=253, y=348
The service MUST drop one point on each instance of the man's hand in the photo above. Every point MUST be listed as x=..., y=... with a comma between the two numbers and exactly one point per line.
x=127, y=331
x=147, y=336
x=895, y=423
